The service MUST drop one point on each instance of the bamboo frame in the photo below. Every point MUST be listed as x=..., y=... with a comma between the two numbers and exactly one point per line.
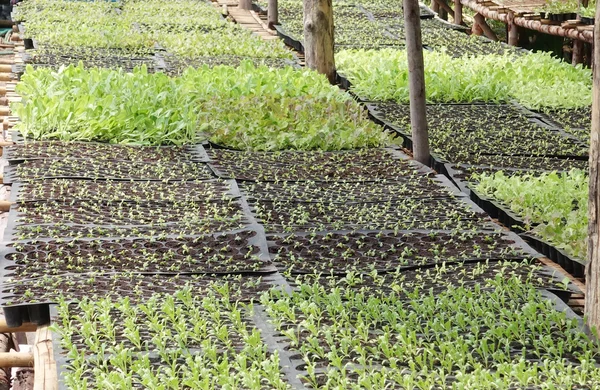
x=582, y=35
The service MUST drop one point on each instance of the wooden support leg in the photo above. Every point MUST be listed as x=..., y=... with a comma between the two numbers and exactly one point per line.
x=513, y=31
x=577, y=52
x=487, y=31
x=458, y=12
x=443, y=13
x=476, y=29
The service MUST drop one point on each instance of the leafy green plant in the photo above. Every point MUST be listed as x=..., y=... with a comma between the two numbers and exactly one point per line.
x=258, y=108
x=555, y=205
x=535, y=80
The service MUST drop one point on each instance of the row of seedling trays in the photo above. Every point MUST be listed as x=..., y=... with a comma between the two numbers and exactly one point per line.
x=236, y=227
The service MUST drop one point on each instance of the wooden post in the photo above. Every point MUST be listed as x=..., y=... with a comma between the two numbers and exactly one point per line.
x=513, y=30
x=46, y=376
x=458, y=12
x=577, y=57
x=245, y=4
x=318, y=37
x=416, y=81
x=592, y=269
x=435, y=7
x=272, y=14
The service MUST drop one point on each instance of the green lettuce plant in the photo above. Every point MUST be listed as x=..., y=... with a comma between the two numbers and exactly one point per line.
x=555, y=205
x=258, y=108
x=535, y=80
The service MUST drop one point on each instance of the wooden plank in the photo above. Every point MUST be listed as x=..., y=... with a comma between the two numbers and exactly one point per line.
x=46, y=376
x=585, y=28
x=551, y=264
x=26, y=327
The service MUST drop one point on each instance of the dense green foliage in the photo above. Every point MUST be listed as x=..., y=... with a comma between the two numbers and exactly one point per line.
x=535, y=80
x=557, y=204
x=459, y=338
x=257, y=108
x=185, y=27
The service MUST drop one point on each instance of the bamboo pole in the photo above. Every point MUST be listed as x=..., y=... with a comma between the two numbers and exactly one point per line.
x=5, y=206
x=416, y=80
x=16, y=359
x=4, y=111
x=6, y=77
x=592, y=269
x=45, y=367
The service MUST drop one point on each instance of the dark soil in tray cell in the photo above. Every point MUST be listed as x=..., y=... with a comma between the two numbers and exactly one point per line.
x=457, y=131
x=124, y=213
x=341, y=252
x=354, y=166
x=463, y=114
x=136, y=287
x=344, y=192
x=149, y=191
x=54, y=58
x=106, y=170
x=236, y=252
x=409, y=214
x=539, y=143
x=438, y=278
x=580, y=118
x=175, y=66
x=523, y=162
x=187, y=228
x=96, y=151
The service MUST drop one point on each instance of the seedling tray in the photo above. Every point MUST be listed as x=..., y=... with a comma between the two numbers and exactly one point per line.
x=137, y=192
x=136, y=287
x=441, y=277
x=34, y=150
x=498, y=211
x=241, y=252
x=339, y=252
x=571, y=264
x=336, y=322
x=342, y=192
x=176, y=66
x=351, y=166
x=462, y=131
x=106, y=214
x=408, y=214
x=105, y=170
x=288, y=39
